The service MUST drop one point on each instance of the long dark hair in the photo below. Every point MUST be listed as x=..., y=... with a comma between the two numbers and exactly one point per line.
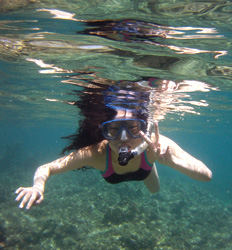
x=95, y=112
x=97, y=105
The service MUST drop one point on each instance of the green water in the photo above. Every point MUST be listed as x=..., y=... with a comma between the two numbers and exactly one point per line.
x=47, y=57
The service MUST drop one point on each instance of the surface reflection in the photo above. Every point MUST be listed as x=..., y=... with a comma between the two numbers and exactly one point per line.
x=131, y=58
x=161, y=96
x=136, y=31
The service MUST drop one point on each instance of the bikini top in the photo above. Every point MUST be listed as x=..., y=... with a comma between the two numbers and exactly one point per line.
x=110, y=176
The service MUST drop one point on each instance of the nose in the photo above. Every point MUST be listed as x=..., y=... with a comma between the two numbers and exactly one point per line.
x=123, y=135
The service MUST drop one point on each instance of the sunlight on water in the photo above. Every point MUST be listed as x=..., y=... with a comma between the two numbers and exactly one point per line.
x=172, y=56
x=63, y=45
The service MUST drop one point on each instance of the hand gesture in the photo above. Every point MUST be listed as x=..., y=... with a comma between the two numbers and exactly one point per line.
x=29, y=195
x=162, y=152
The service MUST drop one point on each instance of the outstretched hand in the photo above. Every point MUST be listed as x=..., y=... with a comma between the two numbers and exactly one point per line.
x=162, y=151
x=30, y=196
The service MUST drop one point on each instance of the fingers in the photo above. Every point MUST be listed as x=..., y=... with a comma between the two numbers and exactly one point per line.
x=169, y=152
x=146, y=138
x=25, y=200
x=29, y=196
x=21, y=192
x=156, y=131
x=31, y=201
x=39, y=200
x=154, y=146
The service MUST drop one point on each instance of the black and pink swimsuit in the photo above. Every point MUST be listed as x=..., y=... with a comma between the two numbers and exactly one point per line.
x=110, y=176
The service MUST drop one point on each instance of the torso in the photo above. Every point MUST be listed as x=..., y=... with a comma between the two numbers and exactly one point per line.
x=137, y=169
x=99, y=155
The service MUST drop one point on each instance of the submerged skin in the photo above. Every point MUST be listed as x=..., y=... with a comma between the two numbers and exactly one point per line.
x=160, y=148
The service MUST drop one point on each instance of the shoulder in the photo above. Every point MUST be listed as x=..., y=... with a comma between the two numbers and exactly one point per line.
x=96, y=155
x=99, y=148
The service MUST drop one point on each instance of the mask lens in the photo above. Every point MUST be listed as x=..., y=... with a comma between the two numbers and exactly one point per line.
x=112, y=129
x=133, y=127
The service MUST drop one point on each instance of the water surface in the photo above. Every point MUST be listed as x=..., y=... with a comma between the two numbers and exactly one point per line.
x=53, y=53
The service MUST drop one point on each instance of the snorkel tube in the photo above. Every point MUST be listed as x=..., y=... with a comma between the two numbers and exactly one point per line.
x=125, y=155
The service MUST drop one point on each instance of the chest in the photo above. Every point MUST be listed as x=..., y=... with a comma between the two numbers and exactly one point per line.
x=132, y=166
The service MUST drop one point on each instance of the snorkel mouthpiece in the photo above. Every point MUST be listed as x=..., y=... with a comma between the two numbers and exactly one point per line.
x=124, y=156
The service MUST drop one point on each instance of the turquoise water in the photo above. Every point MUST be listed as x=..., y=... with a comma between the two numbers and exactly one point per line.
x=49, y=57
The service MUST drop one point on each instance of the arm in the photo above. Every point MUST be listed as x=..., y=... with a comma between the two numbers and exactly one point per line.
x=89, y=156
x=167, y=152
x=183, y=162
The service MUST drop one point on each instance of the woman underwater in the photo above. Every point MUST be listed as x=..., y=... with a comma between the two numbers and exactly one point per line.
x=106, y=137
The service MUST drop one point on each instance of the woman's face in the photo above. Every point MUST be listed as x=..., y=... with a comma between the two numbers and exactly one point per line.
x=124, y=139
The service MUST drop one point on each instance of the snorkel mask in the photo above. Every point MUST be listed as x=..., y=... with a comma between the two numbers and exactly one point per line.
x=112, y=129
x=125, y=155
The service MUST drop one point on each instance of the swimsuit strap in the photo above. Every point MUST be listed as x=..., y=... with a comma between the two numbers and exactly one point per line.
x=145, y=164
x=109, y=167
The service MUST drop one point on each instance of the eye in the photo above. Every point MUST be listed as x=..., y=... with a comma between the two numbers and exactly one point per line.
x=133, y=127
x=114, y=127
x=113, y=130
